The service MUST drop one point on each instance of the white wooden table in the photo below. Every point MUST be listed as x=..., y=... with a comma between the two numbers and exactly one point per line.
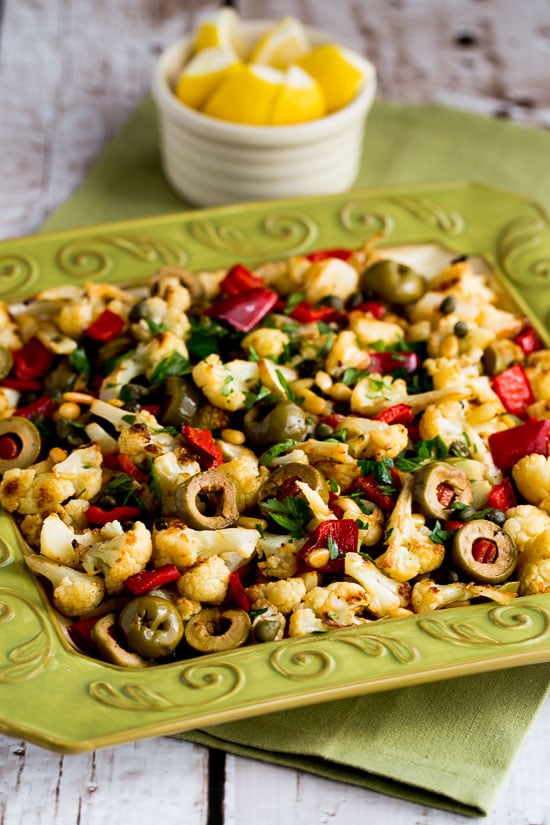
x=70, y=72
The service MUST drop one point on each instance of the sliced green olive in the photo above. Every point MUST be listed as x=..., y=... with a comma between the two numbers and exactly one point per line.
x=284, y=421
x=293, y=471
x=438, y=487
x=184, y=402
x=151, y=626
x=500, y=355
x=484, y=551
x=6, y=362
x=214, y=629
x=20, y=443
x=104, y=638
x=207, y=501
x=396, y=282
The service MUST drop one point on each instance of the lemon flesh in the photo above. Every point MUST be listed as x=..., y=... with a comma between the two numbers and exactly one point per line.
x=284, y=43
x=246, y=95
x=220, y=30
x=299, y=99
x=203, y=74
x=339, y=71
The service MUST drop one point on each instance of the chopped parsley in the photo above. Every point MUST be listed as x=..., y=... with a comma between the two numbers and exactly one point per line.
x=275, y=450
x=422, y=453
x=292, y=514
x=440, y=536
x=174, y=364
x=79, y=360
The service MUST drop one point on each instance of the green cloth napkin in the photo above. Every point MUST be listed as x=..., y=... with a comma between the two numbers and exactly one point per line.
x=449, y=744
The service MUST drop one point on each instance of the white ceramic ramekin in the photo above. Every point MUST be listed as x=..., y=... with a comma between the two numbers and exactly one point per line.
x=210, y=162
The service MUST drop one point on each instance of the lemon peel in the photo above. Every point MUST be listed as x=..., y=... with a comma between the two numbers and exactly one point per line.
x=202, y=75
x=299, y=99
x=338, y=70
x=246, y=95
x=220, y=30
x=284, y=43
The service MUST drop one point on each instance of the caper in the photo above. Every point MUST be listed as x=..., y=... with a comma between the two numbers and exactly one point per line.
x=61, y=378
x=139, y=311
x=332, y=301
x=67, y=431
x=496, y=516
x=459, y=448
x=396, y=282
x=266, y=630
x=284, y=421
x=323, y=430
x=355, y=300
x=309, y=367
x=460, y=329
x=464, y=513
x=447, y=305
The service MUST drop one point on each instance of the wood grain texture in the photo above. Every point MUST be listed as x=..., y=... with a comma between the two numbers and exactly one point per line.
x=70, y=72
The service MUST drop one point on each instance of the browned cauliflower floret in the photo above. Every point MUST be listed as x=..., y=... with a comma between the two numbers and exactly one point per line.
x=206, y=581
x=117, y=554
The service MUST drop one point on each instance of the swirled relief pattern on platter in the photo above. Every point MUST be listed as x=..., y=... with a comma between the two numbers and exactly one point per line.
x=366, y=216
x=17, y=272
x=27, y=659
x=92, y=258
x=517, y=247
x=512, y=618
x=282, y=233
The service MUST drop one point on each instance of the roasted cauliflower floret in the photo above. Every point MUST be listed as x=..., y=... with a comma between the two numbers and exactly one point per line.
x=330, y=276
x=285, y=594
x=427, y=595
x=83, y=468
x=277, y=556
x=409, y=549
x=266, y=342
x=58, y=541
x=247, y=477
x=74, y=592
x=384, y=595
x=534, y=565
x=161, y=348
x=525, y=522
x=337, y=604
x=370, y=330
x=172, y=470
x=225, y=385
x=303, y=622
x=373, y=439
x=206, y=581
x=346, y=352
x=27, y=492
x=376, y=392
x=532, y=477
x=538, y=373
x=117, y=554
x=184, y=547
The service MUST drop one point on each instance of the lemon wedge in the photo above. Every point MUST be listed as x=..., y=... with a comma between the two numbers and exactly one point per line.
x=283, y=43
x=220, y=30
x=203, y=74
x=338, y=70
x=246, y=95
x=299, y=99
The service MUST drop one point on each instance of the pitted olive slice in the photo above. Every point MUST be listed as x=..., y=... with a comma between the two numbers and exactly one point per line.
x=293, y=471
x=20, y=443
x=439, y=487
x=283, y=421
x=207, y=501
x=214, y=629
x=484, y=551
x=103, y=636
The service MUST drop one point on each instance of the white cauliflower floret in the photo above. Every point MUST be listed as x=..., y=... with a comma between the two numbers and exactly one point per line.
x=82, y=468
x=277, y=556
x=330, y=276
x=28, y=492
x=267, y=612
x=58, y=541
x=346, y=352
x=376, y=392
x=206, y=581
x=373, y=439
x=144, y=438
x=161, y=348
x=385, y=595
x=450, y=372
x=225, y=385
x=525, y=522
x=369, y=329
x=427, y=595
x=534, y=565
x=371, y=524
x=247, y=476
x=184, y=547
x=9, y=335
x=267, y=342
x=74, y=592
x=409, y=549
x=285, y=594
x=303, y=622
x=171, y=471
x=116, y=555
x=337, y=604
x=538, y=372
x=445, y=420
x=532, y=477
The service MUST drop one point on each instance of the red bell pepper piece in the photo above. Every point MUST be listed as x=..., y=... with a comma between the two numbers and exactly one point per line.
x=202, y=445
x=508, y=446
x=106, y=327
x=333, y=419
x=33, y=360
x=236, y=594
x=528, y=340
x=451, y=524
x=22, y=384
x=99, y=516
x=127, y=466
x=386, y=362
x=514, y=390
x=339, y=536
x=502, y=496
x=245, y=310
x=110, y=460
x=374, y=307
x=306, y=313
x=323, y=254
x=44, y=406
x=239, y=279
x=336, y=509
x=398, y=414
x=371, y=487
x=147, y=580
x=80, y=632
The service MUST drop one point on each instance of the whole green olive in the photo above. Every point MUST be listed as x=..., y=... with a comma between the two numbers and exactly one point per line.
x=151, y=626
x=286, y=420
x=396, y=282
